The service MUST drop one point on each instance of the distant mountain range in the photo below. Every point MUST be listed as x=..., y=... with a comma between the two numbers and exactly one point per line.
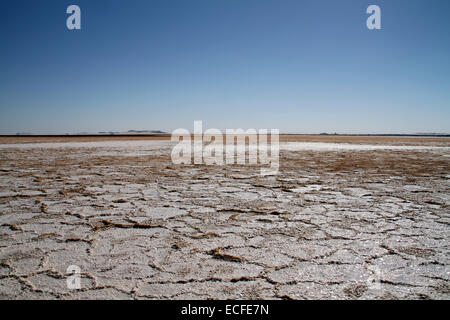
x=133, y=132
x=157, y=132
x=129, y=132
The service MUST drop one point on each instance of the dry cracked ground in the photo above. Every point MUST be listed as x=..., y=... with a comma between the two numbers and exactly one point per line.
x=333, y=224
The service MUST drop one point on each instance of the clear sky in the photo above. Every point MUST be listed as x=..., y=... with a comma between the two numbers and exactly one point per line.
x=299, y=66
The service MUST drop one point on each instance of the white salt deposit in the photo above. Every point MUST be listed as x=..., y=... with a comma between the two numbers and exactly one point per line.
x=151, y=145
x=324, y=146
x=128, y=144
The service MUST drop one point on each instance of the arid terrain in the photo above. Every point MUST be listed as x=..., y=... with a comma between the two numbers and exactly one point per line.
x=345, y=218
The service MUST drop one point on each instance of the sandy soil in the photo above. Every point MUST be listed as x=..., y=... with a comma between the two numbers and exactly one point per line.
x=336, y=222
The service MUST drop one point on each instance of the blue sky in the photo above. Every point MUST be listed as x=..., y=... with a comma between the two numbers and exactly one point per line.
x=299, y=66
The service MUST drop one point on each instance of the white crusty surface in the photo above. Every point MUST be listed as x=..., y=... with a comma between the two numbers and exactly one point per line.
x=339, y=221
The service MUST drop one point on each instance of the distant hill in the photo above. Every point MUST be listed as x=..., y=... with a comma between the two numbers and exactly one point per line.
x=132, y=132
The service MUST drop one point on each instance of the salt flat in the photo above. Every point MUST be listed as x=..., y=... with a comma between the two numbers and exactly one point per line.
x=340, y=220
x=156, y=144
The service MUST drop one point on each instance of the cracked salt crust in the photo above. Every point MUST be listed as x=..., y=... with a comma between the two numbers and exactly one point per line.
x=140, y=227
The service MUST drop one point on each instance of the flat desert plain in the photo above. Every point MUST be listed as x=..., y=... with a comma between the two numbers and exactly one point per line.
x=345, y=218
